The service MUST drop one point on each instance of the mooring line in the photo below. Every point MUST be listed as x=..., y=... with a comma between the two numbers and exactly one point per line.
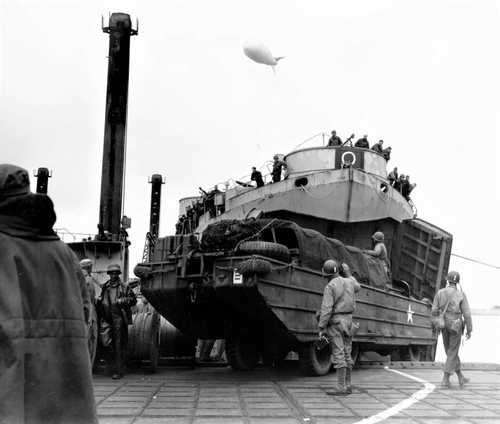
x=396, y=409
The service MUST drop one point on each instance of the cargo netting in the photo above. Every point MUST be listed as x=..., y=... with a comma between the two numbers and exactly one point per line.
x=313, y=247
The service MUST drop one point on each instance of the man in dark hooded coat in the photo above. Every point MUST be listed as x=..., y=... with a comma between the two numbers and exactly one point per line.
x=45, y=374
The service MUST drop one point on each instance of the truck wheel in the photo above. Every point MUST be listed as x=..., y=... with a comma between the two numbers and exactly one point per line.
x=265, y=248
x=144, y=338
x=314, y=362
x=241, y=354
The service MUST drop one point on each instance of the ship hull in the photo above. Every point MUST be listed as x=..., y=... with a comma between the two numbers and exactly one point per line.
x=344, y=195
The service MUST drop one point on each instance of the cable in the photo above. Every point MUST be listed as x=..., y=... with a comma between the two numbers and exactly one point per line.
x=255, y=234
x=305, y=141
x=476, y=261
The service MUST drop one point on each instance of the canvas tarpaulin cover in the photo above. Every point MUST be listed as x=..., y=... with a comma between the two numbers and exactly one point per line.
x=314, y=247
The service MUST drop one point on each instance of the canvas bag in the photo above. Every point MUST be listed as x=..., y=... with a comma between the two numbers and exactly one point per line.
x=438, y=321
x=456, y=325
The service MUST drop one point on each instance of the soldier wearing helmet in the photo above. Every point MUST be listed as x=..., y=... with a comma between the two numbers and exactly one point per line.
x=45, y=373
x=452, y=302
x=335, y=320
x=380, y=251
x=93, y=285
x=115, y=305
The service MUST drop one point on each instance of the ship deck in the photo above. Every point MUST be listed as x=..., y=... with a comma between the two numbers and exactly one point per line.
x=402, y=393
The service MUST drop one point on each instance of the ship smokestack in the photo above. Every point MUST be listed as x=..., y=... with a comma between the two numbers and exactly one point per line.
x=42, y=180
x=156, y=182
x=154, y=218
x=113, y=160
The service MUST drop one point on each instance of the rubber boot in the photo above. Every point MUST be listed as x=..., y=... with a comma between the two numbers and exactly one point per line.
x=341, y=389
x=445, y=384
x=462, y=379
x=348, y=385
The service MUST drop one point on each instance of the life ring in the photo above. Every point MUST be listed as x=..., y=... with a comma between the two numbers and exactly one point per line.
x=348, y=162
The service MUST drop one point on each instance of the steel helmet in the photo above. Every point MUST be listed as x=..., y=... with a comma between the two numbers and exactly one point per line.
x=330, y=267
x=453, y=277
x=114, y=268
x=378, y=236
x=85, y=263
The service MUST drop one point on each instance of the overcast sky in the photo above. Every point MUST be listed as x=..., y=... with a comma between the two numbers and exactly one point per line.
x=423, y=76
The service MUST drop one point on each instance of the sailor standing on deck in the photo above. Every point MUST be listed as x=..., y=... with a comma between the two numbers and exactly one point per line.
x=453, y=303
x=334, y=140
x=377, y=147
x=257, y=177
x=362, y=142
x=335, y=321
x=278, y=166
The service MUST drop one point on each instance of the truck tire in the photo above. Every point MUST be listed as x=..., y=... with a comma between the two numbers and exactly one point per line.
x=242, y=355
x=265, y=248
x=144, y=338
x=255, y=266
x=314, y=362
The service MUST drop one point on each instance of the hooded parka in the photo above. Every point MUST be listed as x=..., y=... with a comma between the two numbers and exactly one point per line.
x=45, y=374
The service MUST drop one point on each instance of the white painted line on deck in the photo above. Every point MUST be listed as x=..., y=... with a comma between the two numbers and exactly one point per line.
x=396, y=409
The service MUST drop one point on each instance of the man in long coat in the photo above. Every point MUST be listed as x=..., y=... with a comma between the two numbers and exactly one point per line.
x=115, y=305
x=45, y=374
x=453, y=303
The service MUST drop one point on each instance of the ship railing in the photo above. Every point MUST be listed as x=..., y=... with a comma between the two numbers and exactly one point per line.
x=267, y=177
x=67, y=236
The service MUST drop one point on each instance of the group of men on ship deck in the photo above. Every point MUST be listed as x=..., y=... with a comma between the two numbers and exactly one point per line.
x=400, y=183
x=189, y=221
x=276, y=173
x=362, y=143
x=207, y=202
